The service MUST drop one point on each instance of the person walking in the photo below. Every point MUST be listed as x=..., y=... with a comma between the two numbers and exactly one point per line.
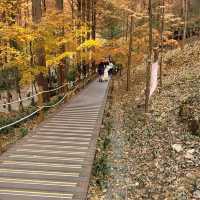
x=110, y=71
x=106, y=75
x=101, y=71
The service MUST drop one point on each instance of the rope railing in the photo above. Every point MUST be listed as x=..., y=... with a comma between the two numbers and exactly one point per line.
x=35, y=112
x=21, y=120
x=39, y=108
x=39, y=93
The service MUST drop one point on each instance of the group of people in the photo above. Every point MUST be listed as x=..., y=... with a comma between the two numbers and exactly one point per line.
x=105, y=70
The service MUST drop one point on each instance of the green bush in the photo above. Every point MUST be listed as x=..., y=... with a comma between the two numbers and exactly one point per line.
x=53, y=102
x=71, y=76
x=10, y=119
x=101, y=167
x=23, y=131
x=101, y=170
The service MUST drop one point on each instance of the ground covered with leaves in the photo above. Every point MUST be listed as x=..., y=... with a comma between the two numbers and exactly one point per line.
x=156, y=155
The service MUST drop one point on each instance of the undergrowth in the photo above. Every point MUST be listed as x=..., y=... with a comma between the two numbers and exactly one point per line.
x=101, y=168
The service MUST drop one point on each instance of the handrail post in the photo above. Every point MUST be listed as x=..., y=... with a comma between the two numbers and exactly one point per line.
x=65, y=92
x=40, y=105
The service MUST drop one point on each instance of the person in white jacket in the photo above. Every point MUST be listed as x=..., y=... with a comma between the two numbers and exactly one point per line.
x=108, y=71
x=106, y=76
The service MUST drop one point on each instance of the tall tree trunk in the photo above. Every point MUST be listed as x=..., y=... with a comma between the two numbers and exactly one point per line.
x=40, y=50
x=185, y=20
x=9, y=97
x=72, y=8
x=94, y=19
x=130, y=55
x=89, y=17
x=18, y=90
x=36, y=17
x=36, y=11
x=60, y=5
x=21, y=107
x=44, y=5
x=149, y=62
x=62, y=64
x=127, y=27
x=161, y=38
x=93, y=28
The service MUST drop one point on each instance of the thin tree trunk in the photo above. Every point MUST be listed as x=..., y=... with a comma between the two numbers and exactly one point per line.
x=161, y=38
x=130, y=55
x=9, y=100
x=93, y=19
x=36, y=11
x=32, y=91
x=18, y=89
x=44, y=5
x=127, y=25
x=21, y=107
x=149, y=62
x=62, y=64
x=72, y=7
x=89, y=17
x=40, y=53
x=124, y=26
x=185, y=20
x=93, y=29
x=59, y=5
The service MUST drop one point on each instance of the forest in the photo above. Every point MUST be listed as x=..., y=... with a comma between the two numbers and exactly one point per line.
x=47, y=43
x=51, y=51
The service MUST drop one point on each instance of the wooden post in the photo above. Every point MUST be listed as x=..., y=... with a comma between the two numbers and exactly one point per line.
x=40, y=104
x=161, y=38
x=129, y=55
x=66, y=89
x=148, y=71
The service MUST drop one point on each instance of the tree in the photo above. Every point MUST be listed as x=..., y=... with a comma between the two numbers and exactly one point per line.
x=185, y=6
x=36, y=11
x=149, y=62
x=62, y=64
x=130, y=54
x=161, y=37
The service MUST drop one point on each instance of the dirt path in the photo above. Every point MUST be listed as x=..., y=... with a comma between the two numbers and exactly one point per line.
x=117, y=184
x=120, y=182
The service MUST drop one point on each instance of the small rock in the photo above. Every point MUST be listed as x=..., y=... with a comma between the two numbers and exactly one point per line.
x=198, y=184
x=136, y=184
x=189, y=154
x=181, y=194
x=177, y=147
x=191, y=151
x=196, y=194
x=105, y=190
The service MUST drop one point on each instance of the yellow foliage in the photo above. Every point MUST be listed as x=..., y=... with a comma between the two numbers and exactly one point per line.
x=56, y=60
x=89, y=44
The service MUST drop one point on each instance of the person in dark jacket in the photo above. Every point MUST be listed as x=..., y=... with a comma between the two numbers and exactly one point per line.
x=101, y=71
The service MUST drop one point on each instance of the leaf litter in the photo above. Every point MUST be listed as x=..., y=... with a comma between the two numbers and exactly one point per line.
x=159, y=152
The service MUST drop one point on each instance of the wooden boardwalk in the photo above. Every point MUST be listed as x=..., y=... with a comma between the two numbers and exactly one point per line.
x=55, y=161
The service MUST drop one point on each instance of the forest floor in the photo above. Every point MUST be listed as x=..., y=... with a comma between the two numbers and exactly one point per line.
x=154, y=155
